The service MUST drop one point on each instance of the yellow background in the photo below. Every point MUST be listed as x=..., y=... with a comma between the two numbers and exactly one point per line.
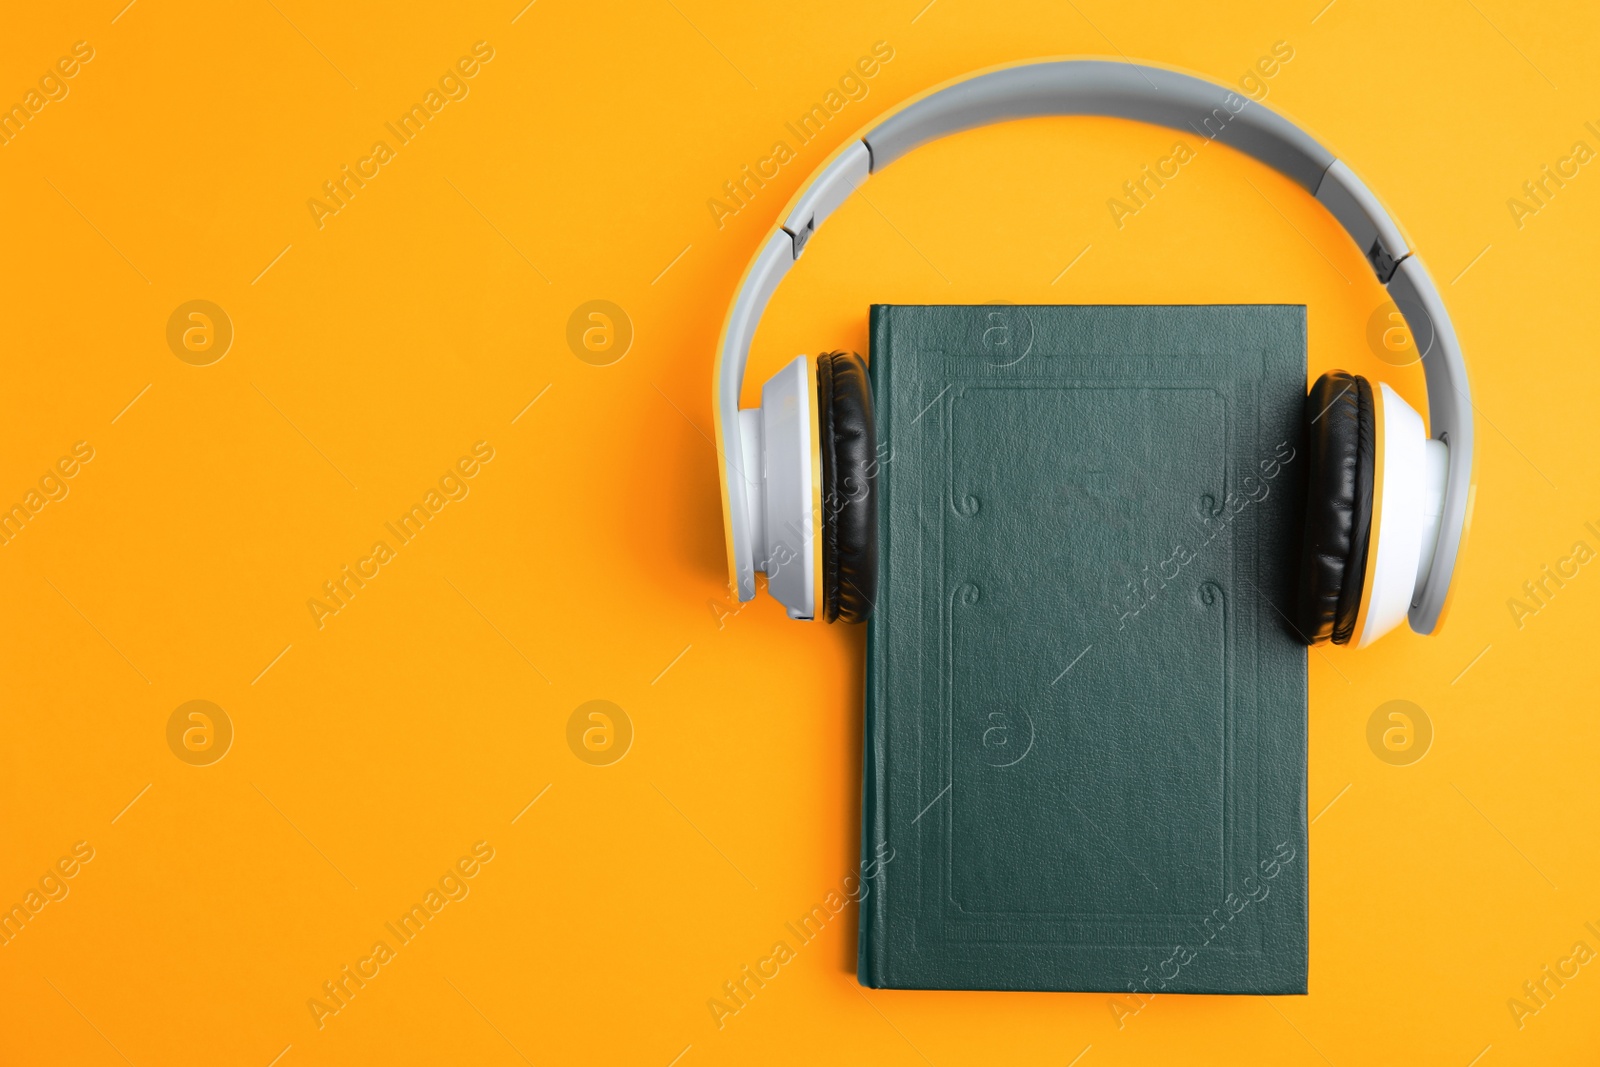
x=587, y=561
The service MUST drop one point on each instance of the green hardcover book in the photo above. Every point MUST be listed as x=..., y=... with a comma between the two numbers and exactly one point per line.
x=1086, y=708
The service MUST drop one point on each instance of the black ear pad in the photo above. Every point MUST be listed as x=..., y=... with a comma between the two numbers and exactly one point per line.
x=849, y=521
x=1340, y=428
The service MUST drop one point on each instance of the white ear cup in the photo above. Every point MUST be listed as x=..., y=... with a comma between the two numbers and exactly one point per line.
x=779, y=440
x=1435, y=478
x=1408, y=503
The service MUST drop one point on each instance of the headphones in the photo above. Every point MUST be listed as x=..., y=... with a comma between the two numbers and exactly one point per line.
x=1388, y=498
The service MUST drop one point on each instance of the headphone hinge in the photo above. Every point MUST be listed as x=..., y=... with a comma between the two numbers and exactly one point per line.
x=1383, y=264
x=800, y=239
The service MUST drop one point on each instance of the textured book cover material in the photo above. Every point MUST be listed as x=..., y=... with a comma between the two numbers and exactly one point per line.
x=1086, y=712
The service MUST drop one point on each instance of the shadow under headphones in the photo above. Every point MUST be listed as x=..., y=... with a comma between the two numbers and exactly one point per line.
x=1387, y=499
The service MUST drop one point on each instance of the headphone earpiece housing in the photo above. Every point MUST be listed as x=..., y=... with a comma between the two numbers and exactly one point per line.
x=1407, y=507
x=1374, y=503
x=784, y=487
x=808, y=458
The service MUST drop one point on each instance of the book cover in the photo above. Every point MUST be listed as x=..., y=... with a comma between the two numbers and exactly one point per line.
x=1085, y=738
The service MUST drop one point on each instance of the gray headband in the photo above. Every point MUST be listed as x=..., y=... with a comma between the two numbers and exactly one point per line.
x=1164, y=98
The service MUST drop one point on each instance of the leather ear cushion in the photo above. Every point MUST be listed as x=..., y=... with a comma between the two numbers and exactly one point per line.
x=849, y=526
x=1340, y=435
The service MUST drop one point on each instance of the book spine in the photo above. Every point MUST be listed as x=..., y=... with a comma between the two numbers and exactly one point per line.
x=868, y=947
x=874, y=829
